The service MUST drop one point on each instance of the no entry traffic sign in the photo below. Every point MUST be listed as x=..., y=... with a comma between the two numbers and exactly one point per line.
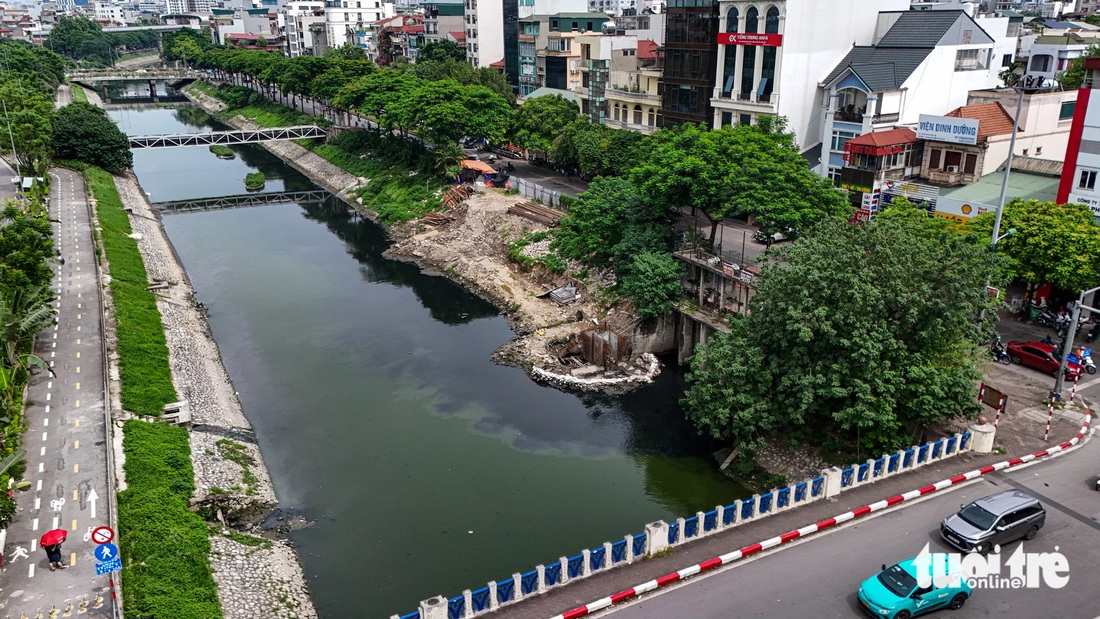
x=103, y=535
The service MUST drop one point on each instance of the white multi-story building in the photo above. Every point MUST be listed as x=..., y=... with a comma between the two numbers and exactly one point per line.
x=920, y=62
x=1079, y=184
x=485, y=31
x=772, y=54
x=113, y=13
x=348, y=22
x=302, y=17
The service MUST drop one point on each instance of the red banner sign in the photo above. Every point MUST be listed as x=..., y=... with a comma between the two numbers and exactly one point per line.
x=860, y=149
x=742, y=38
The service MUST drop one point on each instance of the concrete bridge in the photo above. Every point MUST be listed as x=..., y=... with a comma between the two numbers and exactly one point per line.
x=121, y=75
x=227, y=138
x=242, y=201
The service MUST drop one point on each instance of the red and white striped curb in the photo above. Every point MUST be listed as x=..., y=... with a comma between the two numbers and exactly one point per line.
x=821, y=525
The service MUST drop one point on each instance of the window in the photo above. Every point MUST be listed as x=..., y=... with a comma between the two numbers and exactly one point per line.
x=834, y=175
x=934, y=159
x=1041, y=63
x=1067, y=109
x=1087, y=180
x=745, y=120
x=1006, y=60
x=972, y=59
x=840, y=138
x=727, y=119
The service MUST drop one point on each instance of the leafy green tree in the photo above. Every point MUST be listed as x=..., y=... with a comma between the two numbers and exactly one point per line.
x=346, y=51
x=28, y=114
x=740, y=171
x=653, y=282
x=1074, y=75
x=32, y=66
x=25, y=245
x=865, y=331
x=23, y=313
x=376, y=95
x=594, y=225
x=85, y=132
x=440, y=51
x=82, y=39
x=1056, y=243
x=540, y=120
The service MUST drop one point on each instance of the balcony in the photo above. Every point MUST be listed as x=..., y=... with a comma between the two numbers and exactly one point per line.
x=626, y=95
x=622, y=124
x=768, y=101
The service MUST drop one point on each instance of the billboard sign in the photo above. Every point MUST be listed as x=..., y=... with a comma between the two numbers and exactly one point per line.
x=948, y=129
x=961, y=210
x=747, y=38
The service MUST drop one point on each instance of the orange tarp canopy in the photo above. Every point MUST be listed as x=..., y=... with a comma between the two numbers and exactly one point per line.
x=480, y=166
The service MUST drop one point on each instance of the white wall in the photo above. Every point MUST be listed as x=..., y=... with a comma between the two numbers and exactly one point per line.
x=1042, y=133
x=810, y=52
x=487, y=46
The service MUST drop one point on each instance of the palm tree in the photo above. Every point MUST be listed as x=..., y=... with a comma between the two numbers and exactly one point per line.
x=22, y=314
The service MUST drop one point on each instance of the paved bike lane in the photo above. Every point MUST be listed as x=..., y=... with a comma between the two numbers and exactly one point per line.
x=66, y=434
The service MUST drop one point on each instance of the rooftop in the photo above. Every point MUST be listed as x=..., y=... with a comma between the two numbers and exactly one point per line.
x=1020, y=185
x=892, y=137
x=647, y=49
x=992, y=118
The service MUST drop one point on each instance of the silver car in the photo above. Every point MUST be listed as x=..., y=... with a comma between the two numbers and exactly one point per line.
x=994, y=520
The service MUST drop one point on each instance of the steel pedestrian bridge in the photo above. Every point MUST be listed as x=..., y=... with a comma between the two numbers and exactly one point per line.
x=242, y=201
x=227, y=138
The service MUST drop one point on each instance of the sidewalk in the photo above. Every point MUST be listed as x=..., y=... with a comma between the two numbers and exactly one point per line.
x=566, y=598
x=65, y=439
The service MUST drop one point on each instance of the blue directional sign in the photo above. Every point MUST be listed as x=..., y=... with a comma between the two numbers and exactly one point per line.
x=106, y=552
x=106, y=567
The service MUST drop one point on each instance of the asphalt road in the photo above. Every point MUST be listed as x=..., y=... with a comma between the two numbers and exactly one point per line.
x=819, y=577
x=65, y=439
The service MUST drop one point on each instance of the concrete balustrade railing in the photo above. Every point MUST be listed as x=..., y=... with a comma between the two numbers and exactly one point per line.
x=660, y=536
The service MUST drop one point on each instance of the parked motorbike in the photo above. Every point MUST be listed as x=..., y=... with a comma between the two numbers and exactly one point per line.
x=1086, y=360
x=1047, y=319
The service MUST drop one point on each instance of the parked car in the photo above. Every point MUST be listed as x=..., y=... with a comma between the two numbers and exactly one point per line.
x=786, y=234
x=894, y=593
x=996, y=519
x=1041, y=357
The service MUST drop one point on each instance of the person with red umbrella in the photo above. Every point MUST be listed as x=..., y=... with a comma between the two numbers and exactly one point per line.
x=51, y=543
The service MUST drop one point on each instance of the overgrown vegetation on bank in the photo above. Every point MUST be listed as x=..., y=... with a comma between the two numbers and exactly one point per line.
x=164, y=544
x=143, y=352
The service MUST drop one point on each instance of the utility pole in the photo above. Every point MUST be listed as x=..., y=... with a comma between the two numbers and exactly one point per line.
x=1071, y=334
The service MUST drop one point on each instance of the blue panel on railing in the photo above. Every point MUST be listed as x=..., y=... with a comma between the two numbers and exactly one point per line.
x=895, y=461
x=413, y=615
x=863, y=469
x=691, y=527
x=937, y=449
x=576, y=565
x=479, y=600
x=729, y=513
x=951, y=440
x=618, y=552
x=710, y=520
x=879, y=465
x=529, y=582
x=965, y=442
x=817, y=486
x=846, y=477
x=596, y=558
x=922, y=453
x=553, y=574
x=506, y=589
x=456, y=607
x=908, y=461
x=639, y=544
x=783, y=498
x=746, y=508
x=673, y=532
x=765, y=503
x=800, y=491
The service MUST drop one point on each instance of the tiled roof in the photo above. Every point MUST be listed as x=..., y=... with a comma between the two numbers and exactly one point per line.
x=892, y=137
x=497, y=65
x=992, y=118
x=881, y=68
x=458, y=35
x=919, y=28
x=647, y=48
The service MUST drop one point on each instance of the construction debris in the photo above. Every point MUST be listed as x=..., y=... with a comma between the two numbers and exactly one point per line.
x=536, y=212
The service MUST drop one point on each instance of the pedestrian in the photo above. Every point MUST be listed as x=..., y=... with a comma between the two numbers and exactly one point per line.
x=53, y=553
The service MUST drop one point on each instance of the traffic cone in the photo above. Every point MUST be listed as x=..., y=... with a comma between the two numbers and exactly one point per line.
x=83, y=606
x=68, y=610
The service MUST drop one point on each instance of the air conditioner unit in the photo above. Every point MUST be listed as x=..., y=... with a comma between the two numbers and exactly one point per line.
x=953, y=169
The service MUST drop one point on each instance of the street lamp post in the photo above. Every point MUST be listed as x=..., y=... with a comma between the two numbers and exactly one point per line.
x=1071, y=334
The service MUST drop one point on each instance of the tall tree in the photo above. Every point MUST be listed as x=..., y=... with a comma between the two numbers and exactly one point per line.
x=1074, y=75
x=864, y=331
x=439, y=51
x=85, y=132
x=541, y=120
x=742, y=171
x=1056, y=243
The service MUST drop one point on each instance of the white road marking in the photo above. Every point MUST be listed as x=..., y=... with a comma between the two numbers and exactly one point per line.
x=56, y=521
x=48, y=397
x=49, y=384
x=37, y=503
x=47, y=408
x=42, y=453
x=34, y=524
x=46, y=421
x=41, y=467
x=30, y=571
x=39, y=488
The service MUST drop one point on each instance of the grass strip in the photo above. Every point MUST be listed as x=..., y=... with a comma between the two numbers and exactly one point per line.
x=165, y=546
x=79, y=94
x=143, y=353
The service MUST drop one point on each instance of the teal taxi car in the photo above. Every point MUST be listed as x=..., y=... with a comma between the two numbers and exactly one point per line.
x=895, y=593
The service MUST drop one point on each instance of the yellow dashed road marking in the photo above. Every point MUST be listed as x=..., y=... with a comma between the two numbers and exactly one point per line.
x=76, y=468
